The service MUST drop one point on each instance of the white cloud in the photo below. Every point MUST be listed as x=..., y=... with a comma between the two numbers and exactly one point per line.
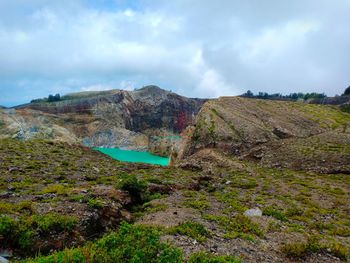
x=97, y=87
x=197, y=47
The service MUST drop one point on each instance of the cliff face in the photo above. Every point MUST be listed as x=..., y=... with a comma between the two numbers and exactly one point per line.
x=113, y=118
x=274, y=133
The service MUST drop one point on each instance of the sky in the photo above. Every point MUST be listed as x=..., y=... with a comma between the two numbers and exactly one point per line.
x=197, y=48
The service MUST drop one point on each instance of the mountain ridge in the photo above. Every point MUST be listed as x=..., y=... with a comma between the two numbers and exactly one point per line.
x=114, y=118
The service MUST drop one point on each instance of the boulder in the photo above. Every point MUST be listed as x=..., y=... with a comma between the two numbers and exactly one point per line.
x=254, y=212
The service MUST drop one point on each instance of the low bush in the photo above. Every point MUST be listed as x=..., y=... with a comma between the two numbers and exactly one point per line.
x=131, y=243
x=54, y=222
x=95, y=203
x=203, y=257
x=191, y=229
x=239, y=226
x=313, y=245
x=270, y=211
x=15, y=234
x=136, y=188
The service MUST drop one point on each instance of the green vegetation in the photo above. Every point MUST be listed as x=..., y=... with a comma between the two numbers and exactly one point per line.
x=279, y=96
x=313, y=245
x=56, y=189
x=95, y=203
x=55, y=222
x=21, y=233
x=50, y=98
x=131, y=243
x=196, y=200
x=271, y=211
x=70, y=181
x=238, y=226
x=191, y=229
x=204, y=257
x=346, y=91
x=345, y=108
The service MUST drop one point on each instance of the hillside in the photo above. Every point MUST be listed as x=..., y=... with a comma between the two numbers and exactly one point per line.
x=54, y=195
x=274, y=133
x=116, y=118
x=253, y=181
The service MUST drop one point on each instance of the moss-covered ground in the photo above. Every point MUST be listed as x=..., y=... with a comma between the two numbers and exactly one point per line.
x=50, y=193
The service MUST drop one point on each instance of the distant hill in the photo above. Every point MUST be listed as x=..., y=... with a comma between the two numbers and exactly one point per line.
x=115, y=118
x=274, y=133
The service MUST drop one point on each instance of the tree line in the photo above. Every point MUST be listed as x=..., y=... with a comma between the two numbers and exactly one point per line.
x=291, y=96
x=50, y=98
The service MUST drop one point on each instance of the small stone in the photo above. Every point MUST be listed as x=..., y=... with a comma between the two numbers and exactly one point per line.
x=254, y=212
x=228, y=182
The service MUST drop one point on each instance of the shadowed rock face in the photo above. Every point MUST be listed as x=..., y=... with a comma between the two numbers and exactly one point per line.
x=115, y=118
x=274, y=133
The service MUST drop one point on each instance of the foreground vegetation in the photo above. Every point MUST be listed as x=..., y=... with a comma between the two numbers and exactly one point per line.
x=67, y=203
x=130, y=244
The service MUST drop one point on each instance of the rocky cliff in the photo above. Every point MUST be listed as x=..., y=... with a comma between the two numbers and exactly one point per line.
x=274, y=133
x=116, y=118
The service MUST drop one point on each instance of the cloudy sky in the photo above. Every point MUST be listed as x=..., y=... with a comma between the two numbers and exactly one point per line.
x=198, y=48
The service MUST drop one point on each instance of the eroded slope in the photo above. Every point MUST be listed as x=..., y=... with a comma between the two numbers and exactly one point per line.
x=276, y=133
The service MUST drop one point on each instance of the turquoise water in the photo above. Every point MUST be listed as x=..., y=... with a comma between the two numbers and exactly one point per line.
x=134, y=156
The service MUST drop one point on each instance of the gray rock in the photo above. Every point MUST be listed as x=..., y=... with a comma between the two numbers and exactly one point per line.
x=3, y=260
x=253, y=212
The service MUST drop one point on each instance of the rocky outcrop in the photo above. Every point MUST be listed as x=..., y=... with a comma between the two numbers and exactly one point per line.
x=274, y=133
x=116, y=118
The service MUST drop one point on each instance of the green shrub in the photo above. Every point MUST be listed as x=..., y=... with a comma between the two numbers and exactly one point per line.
x=245, y=183
x=136, y=188
x=95, y=203
x=55, y=222
x=302, y=249
x=203, y=257
x=345, y=108
x=131, y=243
x=16, y=234
x=270, y=211
x=196, y=200
x=7, y=225
x=191, y=229
x=238, y=226
x=55, y=189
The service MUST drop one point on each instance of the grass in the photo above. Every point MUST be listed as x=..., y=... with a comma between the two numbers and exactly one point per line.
x=297, y=201
x=191, y=229
x=132, y=243
x=271, y=211
x=58, y=189
x=196, y=200
x=95, y=203
x=55, y=222
x=313, y=245
x=204, y=257
x=238, y=226
x=14, y=233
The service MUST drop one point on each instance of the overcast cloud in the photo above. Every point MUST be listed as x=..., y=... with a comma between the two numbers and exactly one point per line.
x=198, y=48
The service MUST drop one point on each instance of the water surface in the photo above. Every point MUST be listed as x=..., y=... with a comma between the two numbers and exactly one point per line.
x=134, y=156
